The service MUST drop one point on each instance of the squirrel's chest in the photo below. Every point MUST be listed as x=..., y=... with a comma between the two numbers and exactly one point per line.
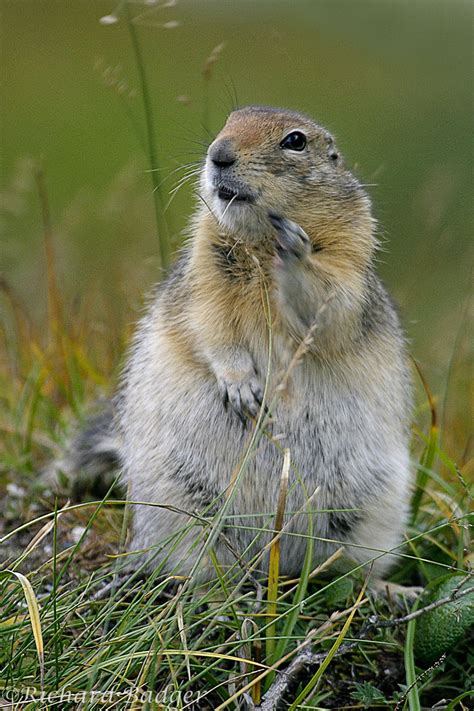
x=320, y=416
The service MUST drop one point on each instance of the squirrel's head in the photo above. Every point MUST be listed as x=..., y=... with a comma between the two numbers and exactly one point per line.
x=275, y=160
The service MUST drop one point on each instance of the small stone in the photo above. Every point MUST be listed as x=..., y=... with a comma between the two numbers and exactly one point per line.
x=18, y=492
x=76, y=533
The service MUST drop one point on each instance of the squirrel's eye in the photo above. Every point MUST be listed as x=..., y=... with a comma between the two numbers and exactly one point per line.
x=294, y=141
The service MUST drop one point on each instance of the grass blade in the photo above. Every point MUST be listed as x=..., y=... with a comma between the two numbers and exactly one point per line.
x=430, y=451
x=410, y=672
x=274, y=564
x=34, y=614
x=163, y=236
x=317, y=676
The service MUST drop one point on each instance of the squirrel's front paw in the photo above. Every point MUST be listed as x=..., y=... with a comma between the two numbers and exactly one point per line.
x=245, y=396
x=292, y=240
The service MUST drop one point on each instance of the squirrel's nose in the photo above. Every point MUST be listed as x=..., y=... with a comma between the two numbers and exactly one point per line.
x=222, y=153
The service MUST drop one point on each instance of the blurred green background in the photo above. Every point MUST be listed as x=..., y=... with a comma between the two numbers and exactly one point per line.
x=392, y=81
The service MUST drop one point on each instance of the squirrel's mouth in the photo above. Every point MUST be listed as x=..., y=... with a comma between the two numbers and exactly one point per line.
x=228, y=194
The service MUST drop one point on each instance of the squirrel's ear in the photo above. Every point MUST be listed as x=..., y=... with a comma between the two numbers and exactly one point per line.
x=335, y=158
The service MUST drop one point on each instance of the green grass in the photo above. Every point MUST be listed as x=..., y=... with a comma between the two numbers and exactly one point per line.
x=75, y=621
x=142, y=635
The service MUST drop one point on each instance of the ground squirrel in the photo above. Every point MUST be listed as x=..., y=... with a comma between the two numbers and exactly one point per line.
x=281, y=258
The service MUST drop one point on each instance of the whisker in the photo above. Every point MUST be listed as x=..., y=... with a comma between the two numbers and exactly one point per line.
x=228, y=205
x=189, y=168
x=184, y=179
x=188, y=174
x=203, y=144
x=191, y=153
x=208, y=206
x=181, y=165
x=177, y=188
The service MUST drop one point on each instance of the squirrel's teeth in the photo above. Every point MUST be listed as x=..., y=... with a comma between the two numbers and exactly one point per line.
x=226, y=194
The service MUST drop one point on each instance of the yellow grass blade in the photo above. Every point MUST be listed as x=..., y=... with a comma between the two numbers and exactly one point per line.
x=33, y=611
x=274, y=564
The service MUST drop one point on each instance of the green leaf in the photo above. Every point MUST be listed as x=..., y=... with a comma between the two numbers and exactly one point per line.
x=445, y=628
x=367, y=694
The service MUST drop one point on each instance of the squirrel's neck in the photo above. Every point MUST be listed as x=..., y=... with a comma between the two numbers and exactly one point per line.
x=212, y=238
x=230, y=274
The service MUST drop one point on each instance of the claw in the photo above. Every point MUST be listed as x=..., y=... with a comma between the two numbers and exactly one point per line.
x=275, y=219
x=292, y=240
x=257, y=392
x=223, y=393
x=245, y=397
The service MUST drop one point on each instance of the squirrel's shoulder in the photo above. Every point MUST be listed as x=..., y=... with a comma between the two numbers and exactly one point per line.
x=379, y=310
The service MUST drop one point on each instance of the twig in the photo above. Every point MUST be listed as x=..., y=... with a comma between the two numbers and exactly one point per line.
x=307, y=661
x=305, y=344
x=301, y=666
x=401, y=701
x=333, y=618
x=428, y=608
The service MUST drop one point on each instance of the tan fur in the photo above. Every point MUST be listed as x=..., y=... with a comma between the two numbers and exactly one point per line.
x=293, y=248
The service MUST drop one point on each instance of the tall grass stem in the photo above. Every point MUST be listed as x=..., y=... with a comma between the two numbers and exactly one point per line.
x=161, y=223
